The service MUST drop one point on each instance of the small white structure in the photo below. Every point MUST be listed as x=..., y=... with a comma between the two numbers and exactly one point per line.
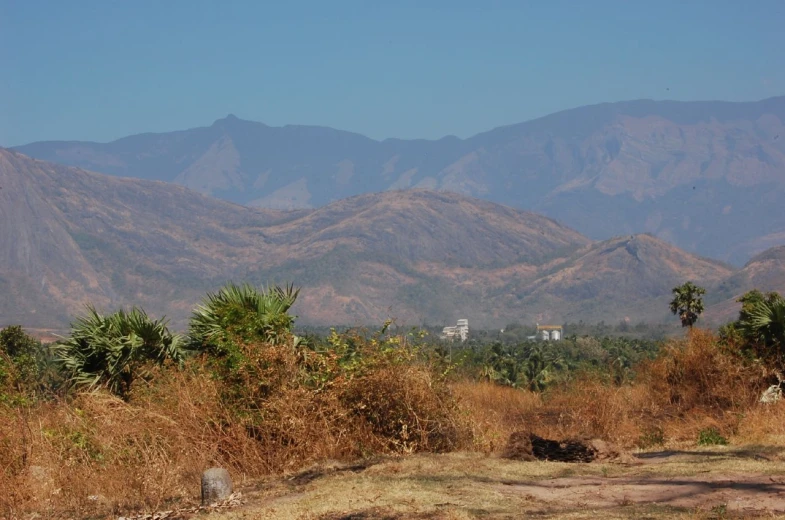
x=550, y=332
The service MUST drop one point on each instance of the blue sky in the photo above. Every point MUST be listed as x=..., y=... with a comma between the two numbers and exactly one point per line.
x=100, y=70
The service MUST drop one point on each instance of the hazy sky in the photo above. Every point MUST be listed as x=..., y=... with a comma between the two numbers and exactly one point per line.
x=104, y=69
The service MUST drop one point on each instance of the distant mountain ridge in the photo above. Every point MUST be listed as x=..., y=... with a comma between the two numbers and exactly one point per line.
x=706, y=176
x=69, y=236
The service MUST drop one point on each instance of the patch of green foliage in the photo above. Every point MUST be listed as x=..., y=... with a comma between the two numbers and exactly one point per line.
x=23, y=366
x=711, y=437
x=687, y=303
x=759, y=331
x=238, y=315
x=113, y=350
x=536, y=365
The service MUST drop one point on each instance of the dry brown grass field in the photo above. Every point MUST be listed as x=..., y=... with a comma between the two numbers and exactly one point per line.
x=401, y=442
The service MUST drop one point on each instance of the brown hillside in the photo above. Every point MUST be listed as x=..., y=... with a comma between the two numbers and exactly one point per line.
x=68, y=237
x=71, y=237
x=423, y=226
x=765, y=272
x=627, y=277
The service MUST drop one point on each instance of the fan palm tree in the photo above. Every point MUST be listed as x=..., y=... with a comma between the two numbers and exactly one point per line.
x=762, y=320
x=245, y=313
x=111, y=350
x=687, y=303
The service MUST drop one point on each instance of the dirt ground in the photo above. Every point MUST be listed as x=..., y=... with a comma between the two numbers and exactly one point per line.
x=697, y=483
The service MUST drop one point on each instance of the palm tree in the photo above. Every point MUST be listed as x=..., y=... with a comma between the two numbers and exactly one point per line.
x=111, y=350
x=244, y=313
x=539, y=369
x=762, y=319
x=687, y=303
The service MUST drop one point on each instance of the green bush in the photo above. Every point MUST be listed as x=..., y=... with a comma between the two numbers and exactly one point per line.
x=759, y=331
x=238, y=315
x=711, y=437
x=113, y=350
x=22, y=364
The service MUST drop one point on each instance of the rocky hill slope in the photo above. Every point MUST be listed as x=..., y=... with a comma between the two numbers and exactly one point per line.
x=69, y=236
x=706, y=176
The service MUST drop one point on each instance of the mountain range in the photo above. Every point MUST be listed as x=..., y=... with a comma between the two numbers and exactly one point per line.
x=708, y=177
x=70, y=236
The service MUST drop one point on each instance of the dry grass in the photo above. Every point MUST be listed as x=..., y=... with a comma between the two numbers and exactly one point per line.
x=94, y=454
x=693, y=385
x=98, y=454
x=495, y=412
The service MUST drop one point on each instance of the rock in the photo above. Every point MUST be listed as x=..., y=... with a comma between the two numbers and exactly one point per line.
x=216, y=485
x=772, y=394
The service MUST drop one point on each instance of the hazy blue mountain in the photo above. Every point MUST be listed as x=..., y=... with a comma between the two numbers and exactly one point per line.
x=706, y=176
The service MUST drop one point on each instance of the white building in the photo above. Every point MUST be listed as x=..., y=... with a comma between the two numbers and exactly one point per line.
x=460, y=330
x=550, y=332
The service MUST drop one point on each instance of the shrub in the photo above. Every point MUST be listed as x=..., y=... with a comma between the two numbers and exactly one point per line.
x=698, y=373
x=239, y=315
x=113, y=350
x=243, y=312
x=16, y=343
x=711, y=437
x=22, y=364
x=652, y=436
x=406, y=407
x=759, y=331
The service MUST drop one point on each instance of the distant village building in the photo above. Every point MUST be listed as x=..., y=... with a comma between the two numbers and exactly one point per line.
x=550, y=332
x=461, y=330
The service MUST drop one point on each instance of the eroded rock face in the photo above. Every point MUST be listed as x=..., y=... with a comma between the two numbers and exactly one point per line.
x=216, y=485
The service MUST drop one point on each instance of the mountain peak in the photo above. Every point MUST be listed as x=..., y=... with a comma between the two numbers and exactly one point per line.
x=229, y=119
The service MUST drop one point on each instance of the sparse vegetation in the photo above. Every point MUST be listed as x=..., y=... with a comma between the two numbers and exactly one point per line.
x=251, y=396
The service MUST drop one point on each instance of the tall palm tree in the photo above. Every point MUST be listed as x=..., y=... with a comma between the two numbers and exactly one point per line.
x=687, y=303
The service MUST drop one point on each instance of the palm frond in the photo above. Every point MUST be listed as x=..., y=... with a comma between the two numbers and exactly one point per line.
x=107, y=350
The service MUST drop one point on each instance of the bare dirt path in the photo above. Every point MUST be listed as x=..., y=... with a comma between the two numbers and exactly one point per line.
x=716, y=483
